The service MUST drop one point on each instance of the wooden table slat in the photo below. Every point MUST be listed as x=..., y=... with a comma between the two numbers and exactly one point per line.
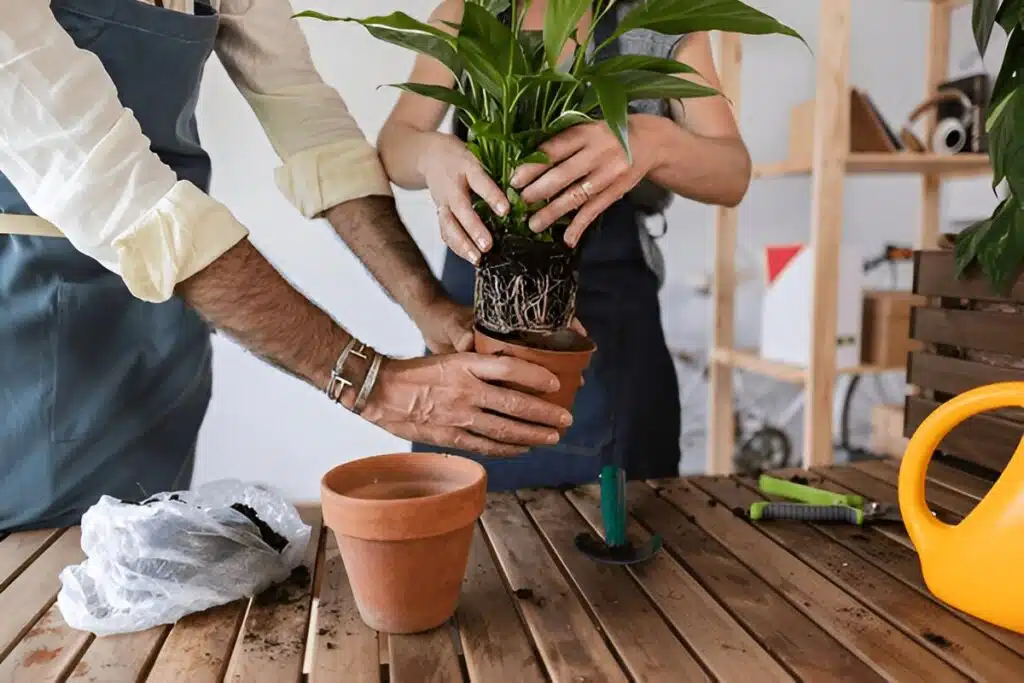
x=570, y=644
x=494, y=639
x=425, y=657
x=900, y=560
x=938, y=629
x=803, y=646
x=875, y=640
x=120, y=658
x=642, y=639
x=272, y=643
x=48, y=652
x=935, y=493
x=728, y=651
x=18, y=550
x=344, y=648
x=950, y=477
x=198, y=648
x=940, y=499
x=29, y=595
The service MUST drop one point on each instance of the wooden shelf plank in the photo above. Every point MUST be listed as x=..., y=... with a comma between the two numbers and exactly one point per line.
x=886, y=162
x=750, y=361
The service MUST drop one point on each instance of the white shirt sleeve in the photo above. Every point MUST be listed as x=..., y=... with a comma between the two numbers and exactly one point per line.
x=327, y=159
x=80, y=160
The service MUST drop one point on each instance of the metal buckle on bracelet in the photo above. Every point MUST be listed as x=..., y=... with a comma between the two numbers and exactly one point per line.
x=336, y=385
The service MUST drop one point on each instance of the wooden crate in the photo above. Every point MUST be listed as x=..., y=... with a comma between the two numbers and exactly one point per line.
x=885, y=329
x=887, y=430
x=972, y=336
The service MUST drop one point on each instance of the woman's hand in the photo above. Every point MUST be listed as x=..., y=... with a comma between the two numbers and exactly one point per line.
x=451, y=173
x=589, y=171
x=449, y=401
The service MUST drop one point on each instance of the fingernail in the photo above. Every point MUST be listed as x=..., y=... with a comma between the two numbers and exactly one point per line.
x=484, y=243
x=553, y=437
x=516, y=179
x=502, y=209
x=476, y=259
x=566, y=419
x=535, y=225
x=553, y=385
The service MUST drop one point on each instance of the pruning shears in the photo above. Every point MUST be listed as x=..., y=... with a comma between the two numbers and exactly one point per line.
x=817, y=505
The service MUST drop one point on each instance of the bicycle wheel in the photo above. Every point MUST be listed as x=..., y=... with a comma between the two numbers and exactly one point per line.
x=863, y=393
x=766, y=449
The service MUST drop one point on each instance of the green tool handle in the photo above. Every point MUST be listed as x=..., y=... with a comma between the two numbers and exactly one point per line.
x=806, y=494
x=613, y=505
x=802, y=512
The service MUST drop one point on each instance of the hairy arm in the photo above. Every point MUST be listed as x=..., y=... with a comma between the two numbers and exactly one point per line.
x=701, y=154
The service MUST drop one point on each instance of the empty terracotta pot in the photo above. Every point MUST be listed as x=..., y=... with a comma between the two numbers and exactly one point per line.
x=565, y=353
x=404, y=524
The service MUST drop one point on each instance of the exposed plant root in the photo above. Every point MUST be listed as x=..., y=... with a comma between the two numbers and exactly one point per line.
x=528, y=288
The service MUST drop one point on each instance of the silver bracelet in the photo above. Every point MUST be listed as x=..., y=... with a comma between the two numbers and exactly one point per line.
x=336, y=385
x=368, y=383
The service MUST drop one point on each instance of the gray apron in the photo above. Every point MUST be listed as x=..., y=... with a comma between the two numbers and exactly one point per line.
x=101, y=393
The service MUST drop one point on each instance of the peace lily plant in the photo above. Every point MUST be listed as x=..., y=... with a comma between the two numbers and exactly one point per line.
x=513, y=92
x=997, y=243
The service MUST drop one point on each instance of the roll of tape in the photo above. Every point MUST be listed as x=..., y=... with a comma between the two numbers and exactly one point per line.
x=950, y=136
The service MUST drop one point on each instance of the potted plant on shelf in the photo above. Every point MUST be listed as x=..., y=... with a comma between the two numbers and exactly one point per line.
x=996, y=244
x=513, y=94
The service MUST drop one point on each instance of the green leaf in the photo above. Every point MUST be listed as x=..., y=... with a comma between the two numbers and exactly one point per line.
x=538, y=157
x=495, y=7
x=549, y=76
x=481, y=67
x=1011, y=75
x=566, y=120
x=532, y=43
x=400, y=29
x=560, y=20
x=692, y=16
x=642, y=85
x=488, y=49
x=967, y=245
x=1006, y=141
x=1000, y=250
x=983, y=18
x=620, y=63
x=1011, y=14
x=615, y=108
x=439, y=93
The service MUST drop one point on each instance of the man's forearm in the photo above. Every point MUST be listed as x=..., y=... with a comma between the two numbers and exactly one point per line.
x=372, y=229
x=242, y=294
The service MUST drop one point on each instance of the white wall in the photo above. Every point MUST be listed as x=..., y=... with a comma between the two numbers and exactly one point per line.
x=292, y=434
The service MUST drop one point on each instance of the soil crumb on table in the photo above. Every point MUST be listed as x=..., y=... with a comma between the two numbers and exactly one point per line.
x=269, y=536
x=292, y=589
x=739, y=512
x=524, y=594
x=712, y=502
x=937, y=640
x=797, y=479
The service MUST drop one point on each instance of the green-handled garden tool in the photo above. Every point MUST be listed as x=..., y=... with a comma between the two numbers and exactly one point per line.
x=615, y=547
x=817, y=505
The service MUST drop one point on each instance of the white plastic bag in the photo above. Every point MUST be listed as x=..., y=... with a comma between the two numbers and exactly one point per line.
x=176, y=553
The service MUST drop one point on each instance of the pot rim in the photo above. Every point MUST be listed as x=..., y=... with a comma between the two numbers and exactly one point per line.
x=592, y=345
x=400, y=518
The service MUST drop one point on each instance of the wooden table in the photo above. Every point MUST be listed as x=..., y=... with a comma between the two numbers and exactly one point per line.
x=729, y=600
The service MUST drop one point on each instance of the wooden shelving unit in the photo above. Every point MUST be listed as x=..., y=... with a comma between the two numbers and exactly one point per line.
x=830, y=162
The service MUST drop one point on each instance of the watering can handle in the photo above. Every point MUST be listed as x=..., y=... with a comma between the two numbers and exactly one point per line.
x=922, y=526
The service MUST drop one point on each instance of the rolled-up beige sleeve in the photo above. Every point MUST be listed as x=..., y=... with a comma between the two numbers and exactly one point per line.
x=326, y=158
x=81, y=161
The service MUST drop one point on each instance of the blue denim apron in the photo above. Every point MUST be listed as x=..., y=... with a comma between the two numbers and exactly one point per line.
x=627, y=413
x=101, y=393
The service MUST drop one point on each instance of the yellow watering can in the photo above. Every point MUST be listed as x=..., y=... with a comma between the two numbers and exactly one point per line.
x=976, y=566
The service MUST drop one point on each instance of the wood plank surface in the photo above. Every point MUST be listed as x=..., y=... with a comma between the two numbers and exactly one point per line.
x=895, y=555
x=985, y=440
x=31, y=593
x=18, y=550
x=642, y=639
x=786, y=632
x=198, y=648
x=935, y=275
x=728, y=651
x=118, y=658
x=271, y=646
x=942, y=496
x=954, y=375
x=425, y=657
x=891, y=652
x=47, y=652
x=494, y=639
x=979, y=330
x=956, y=479
x=933, y=627
x=570, y=644
x=344, y=648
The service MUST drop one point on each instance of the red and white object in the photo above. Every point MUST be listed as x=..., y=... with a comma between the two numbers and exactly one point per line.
x=786, y=309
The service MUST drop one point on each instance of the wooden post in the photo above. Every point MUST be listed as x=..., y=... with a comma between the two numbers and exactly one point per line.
x=936, y=71
x=828, y=169
x=721, y=441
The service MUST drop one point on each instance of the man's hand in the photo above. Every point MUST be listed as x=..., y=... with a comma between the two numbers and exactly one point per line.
x=589, y=171
x=447, y=327
x=448, y=401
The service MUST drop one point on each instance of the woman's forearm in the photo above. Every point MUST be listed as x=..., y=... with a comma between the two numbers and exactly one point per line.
x=402, y=148
x=705, y=169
